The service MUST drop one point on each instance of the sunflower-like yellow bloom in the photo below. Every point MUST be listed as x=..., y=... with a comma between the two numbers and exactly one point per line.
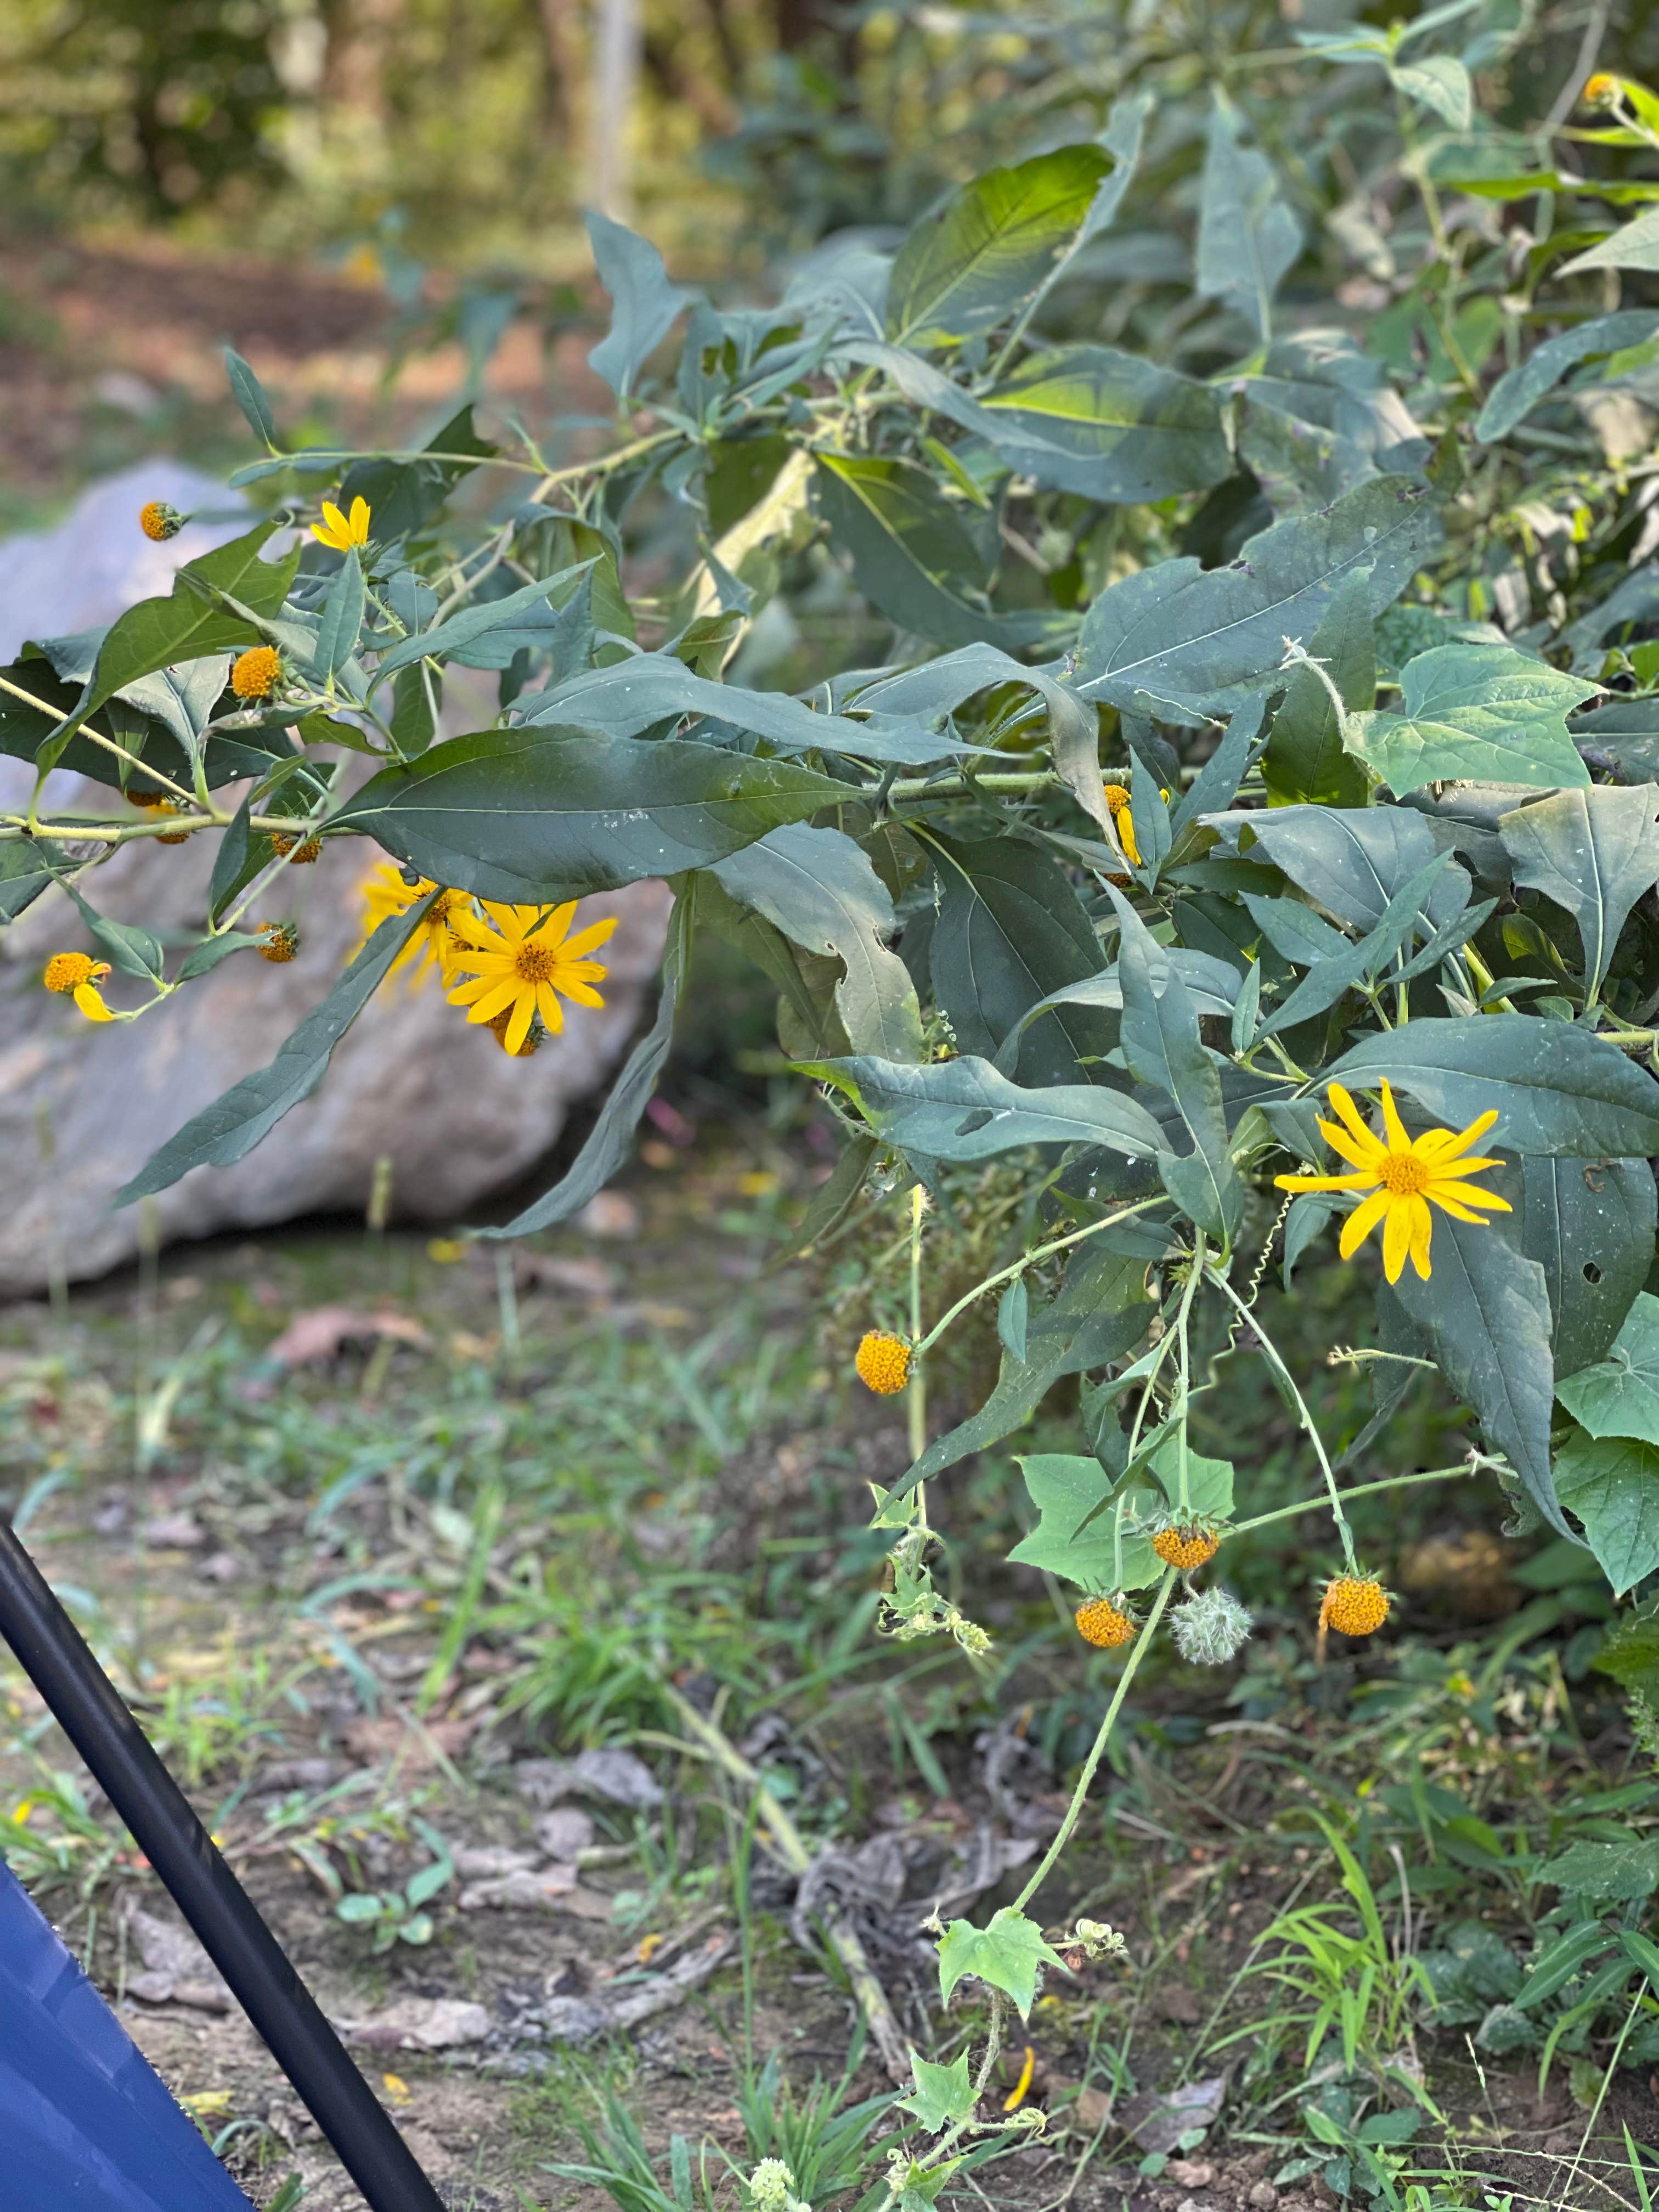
x=1117, y=805
x=334, y=529
x=1401, y=1177
x=520, y=961
x=385, y=893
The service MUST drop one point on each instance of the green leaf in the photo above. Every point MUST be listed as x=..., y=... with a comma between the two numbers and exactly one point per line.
x=1619, y=1395
x=1612, y=1484
x=1306, y=759
x=1009, y=1954
x=404, y=496
x=1605, y=1873
x=911, y=557
x=943, y=2095
x=1318, y=417
x=191, y=623
x=1557, y=1088
x=1592, y=852
x=1247, y=236
x=1632, y=245
x=1630, y=1653
x=1199, y=642
x=635, y=694
x=27, y=866
x=1439, y=81
x=1162, y=1047
x=1589, y=1225
x=1109, y=426
x=1011, y=931
x=251, y=397
x=1329, y=977
x=1074, y=1537
x=1487, y=1311
x=1519, y=390
x=1013, y=1315
x=233, y=1125
x=342, y=618
x=644, y=304
x=606, y=1145
x=1353, y=861
x=535, y=815
x=1480, y=714
x=212, y=949
x=522, y=617
x=1099, y=1313
x=818, y=887
x=962, y=1110
x=974, y=262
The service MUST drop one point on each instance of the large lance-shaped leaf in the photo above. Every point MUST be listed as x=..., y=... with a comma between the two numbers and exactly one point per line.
x=818, y=887
x=1335, y=972
x=1518, y=392
x=1319, y=416
x=976, y=260
x=962, y=1110
x=1619, y=1395
x=1589, y=1225
x=1353, y=859
x=1162, y=1047
x=1247, y=237
x=1011, y=931
x=911, y=555
x=1109, y=426
x=1486, y=1312
x=487, y=635
x=534, y=814
x=28, y=867
x=191, y=624
x=1594, y=851
x=1557, y=1088
x=1202, y=641
x=607, y=1144
x=1612, y=1484
x=1476, y=714
x=1306, y=760
x=644, y=304
x=1100, y=1312
x=220, y=1133
x=633, y=695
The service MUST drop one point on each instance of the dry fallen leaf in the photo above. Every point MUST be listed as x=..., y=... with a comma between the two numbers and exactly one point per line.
x=324, y=1332
x=420, y=2023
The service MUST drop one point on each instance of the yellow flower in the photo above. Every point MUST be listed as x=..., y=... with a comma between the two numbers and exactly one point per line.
x=1117, y=805
x=522, y=964
x=159, y=521
x=334, y=530
x=1356, y=1605
x=1601, y=91
x=1104, y=1625
x=388, y=893
x=1401, y=1177
x=253, y=674
x=68, y=971
x=86, y=998
x=882, y=1362
x=281, y=942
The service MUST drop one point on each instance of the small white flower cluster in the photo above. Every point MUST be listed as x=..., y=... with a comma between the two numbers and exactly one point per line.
x=771, y=2189
x=1099, y=1939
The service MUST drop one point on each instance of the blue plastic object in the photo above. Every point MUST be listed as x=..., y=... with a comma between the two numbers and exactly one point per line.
x=85, y=2123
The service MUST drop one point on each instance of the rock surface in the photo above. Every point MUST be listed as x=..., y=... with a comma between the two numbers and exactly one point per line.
x=82, y=1106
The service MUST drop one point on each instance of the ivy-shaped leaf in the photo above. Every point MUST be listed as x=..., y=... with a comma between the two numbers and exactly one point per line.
x=1009, y=1954
x=943, y=2095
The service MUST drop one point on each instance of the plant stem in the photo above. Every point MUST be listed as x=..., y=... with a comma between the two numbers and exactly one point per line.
x=1359, y=1489
x=1096, y=1750
x=1029, y=1260
x=917, y=1395
x=1270, y=1352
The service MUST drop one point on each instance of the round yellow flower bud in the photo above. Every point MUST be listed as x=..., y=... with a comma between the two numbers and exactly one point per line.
x=159, y=521
x=1106, y=1626
x=1358, y=1605
x=883, y=1362
x=66, y=971
x=254, y=673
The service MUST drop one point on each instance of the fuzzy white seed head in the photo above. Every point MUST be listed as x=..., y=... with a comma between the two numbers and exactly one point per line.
x=1210, y=1628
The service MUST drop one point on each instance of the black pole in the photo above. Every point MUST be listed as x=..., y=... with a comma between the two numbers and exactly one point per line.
x=91, y=1712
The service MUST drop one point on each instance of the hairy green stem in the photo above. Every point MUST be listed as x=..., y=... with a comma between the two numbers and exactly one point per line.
x=1359, y=1489
x=1018, y=1266
x=1097, y=1749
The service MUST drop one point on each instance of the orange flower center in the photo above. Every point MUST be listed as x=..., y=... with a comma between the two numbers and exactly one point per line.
x=536, y=961
x=1404, y=1176
x=1116, y=797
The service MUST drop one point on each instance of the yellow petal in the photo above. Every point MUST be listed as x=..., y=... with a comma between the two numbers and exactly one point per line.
x=1451, y=1204
x=1398, y=1140
x=1464, y=1194
x=1361, y=1221
x=590, y=939
x=1448, y=1146
x=580, y=994
x=505, y=993
x=359, y=525
x=1123, y=822
x=1323, y=1182
x=1345, y=1148
x=1342, y=1104
x=1396, y=1237
x=517, y=1027
x=1447, y=1171
x=86, y=998
x=1422, y=1229
x=552, y=1013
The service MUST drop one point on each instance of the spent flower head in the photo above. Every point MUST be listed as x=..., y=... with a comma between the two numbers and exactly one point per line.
x=1211, y=1627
